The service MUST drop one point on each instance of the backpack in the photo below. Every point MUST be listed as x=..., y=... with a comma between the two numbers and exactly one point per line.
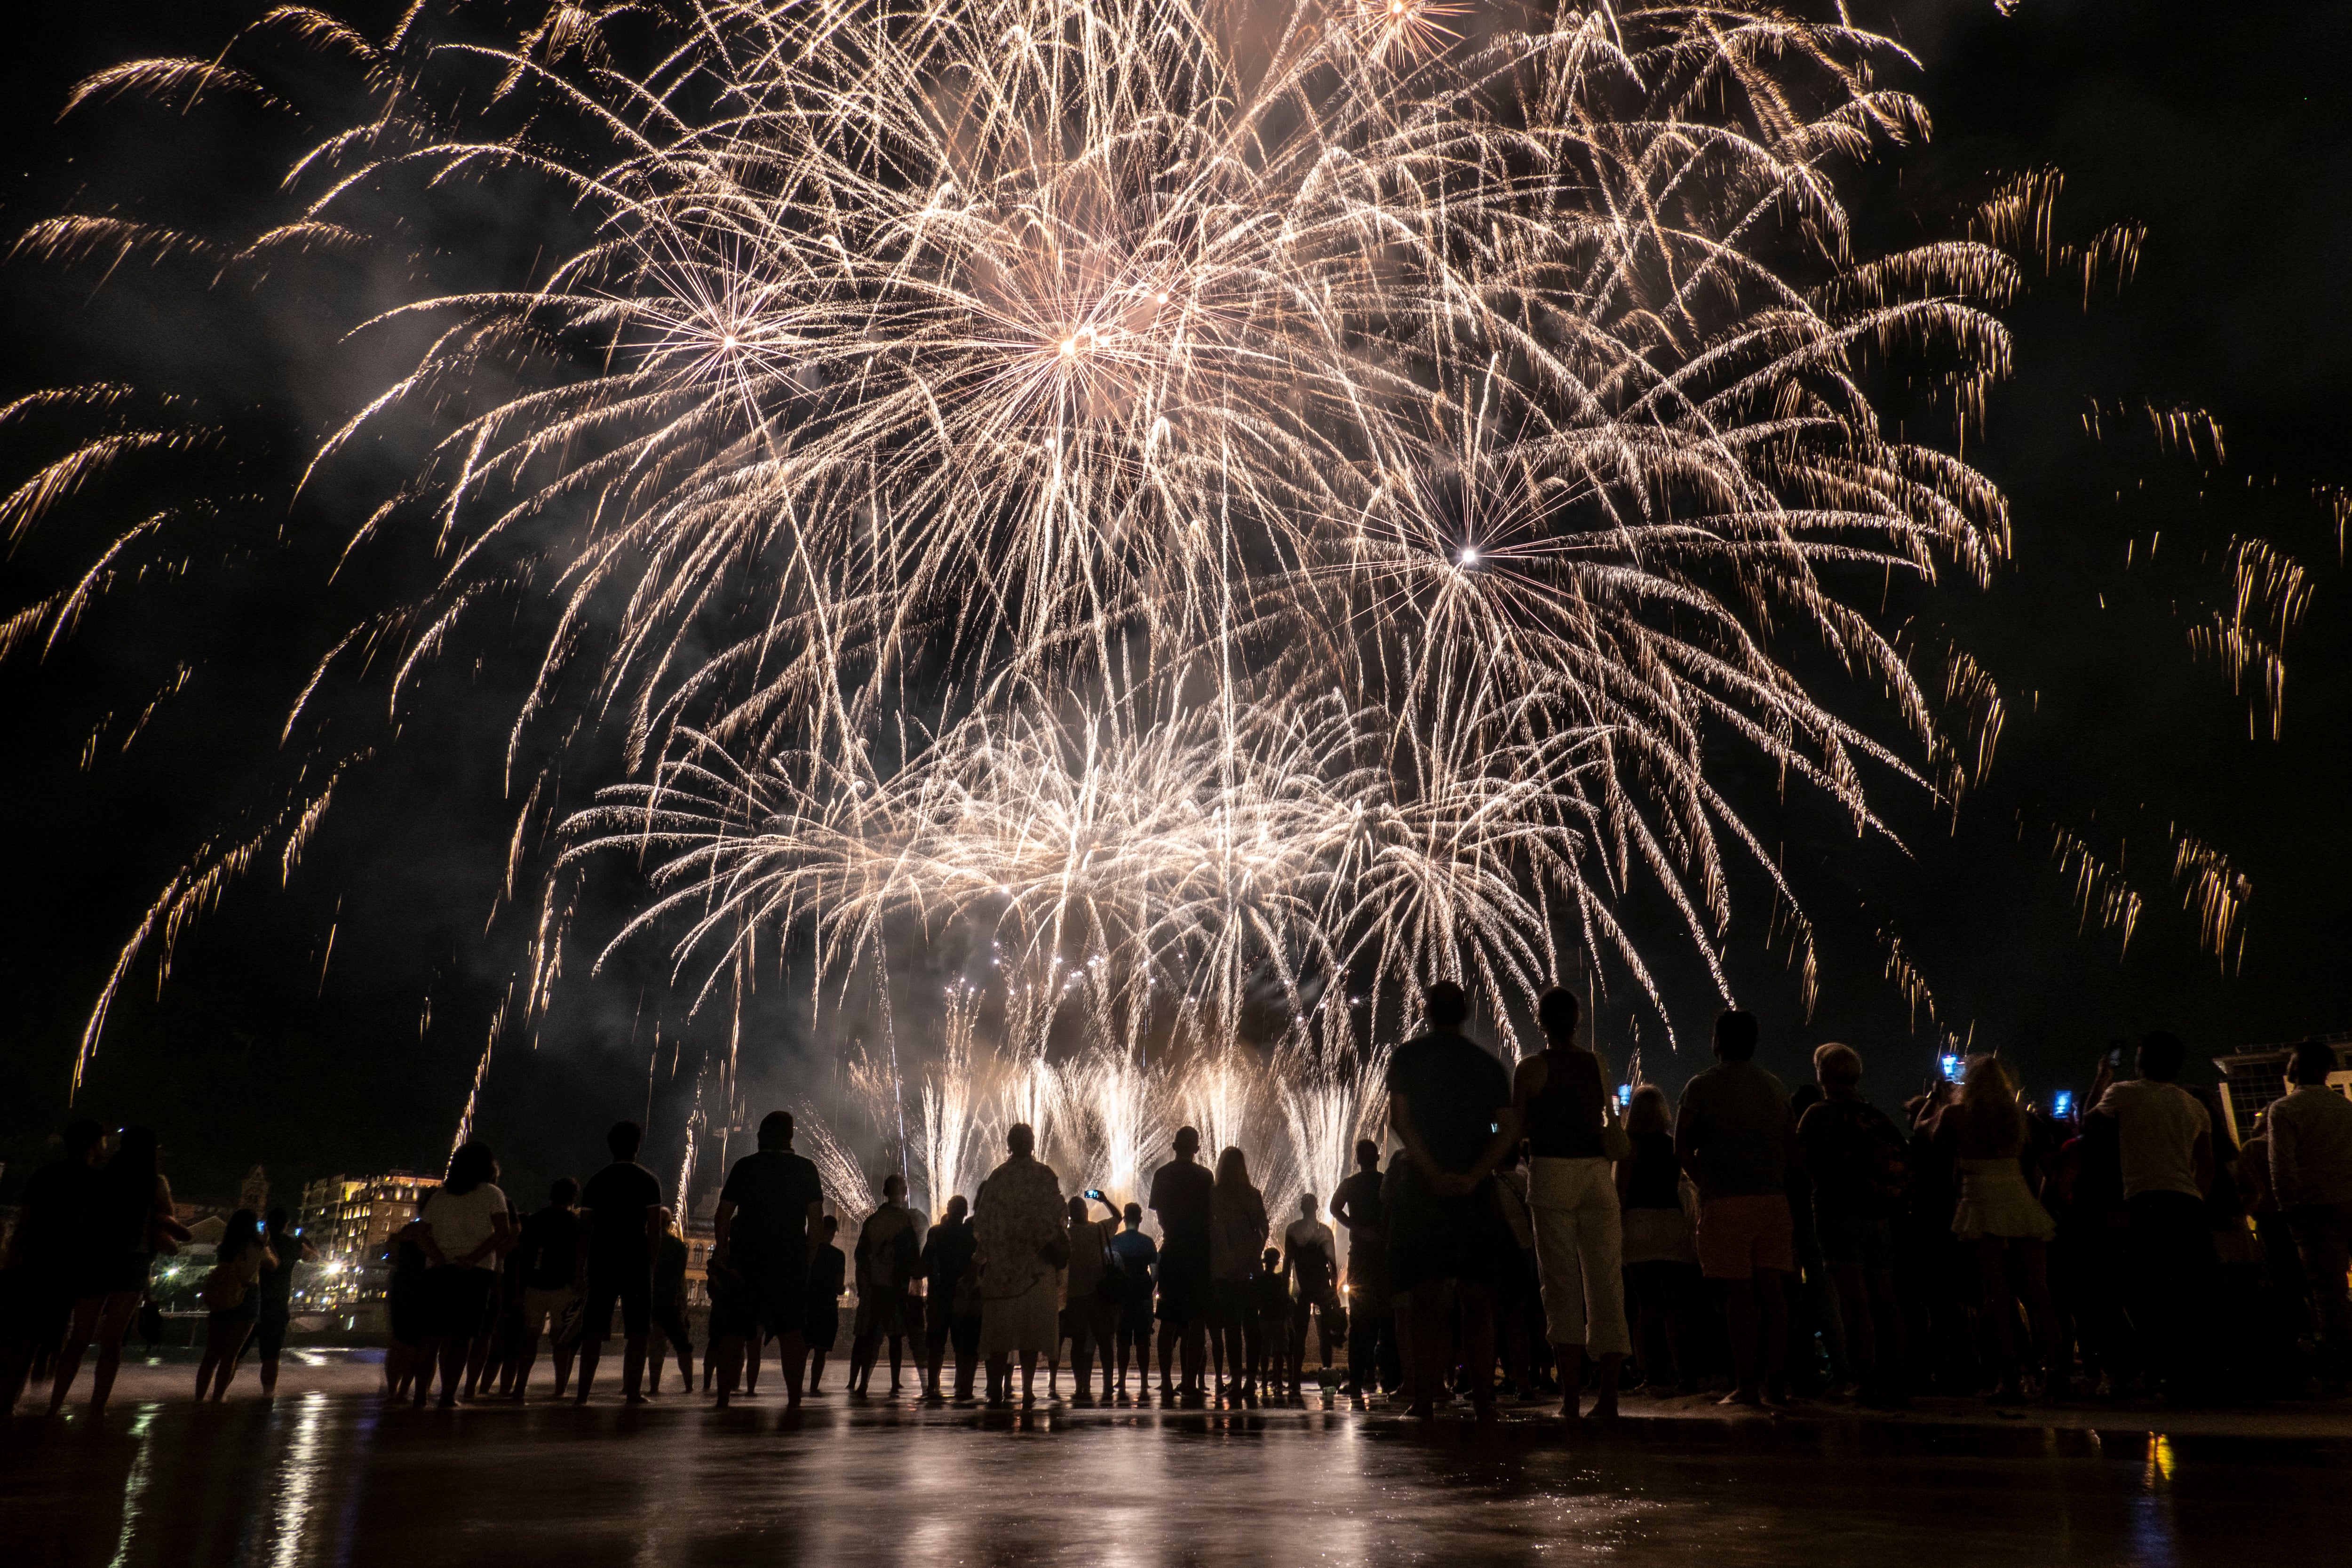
x=222, y=1291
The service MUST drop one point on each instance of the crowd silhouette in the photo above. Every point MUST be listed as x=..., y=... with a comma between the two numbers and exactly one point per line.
x=1532, y=1236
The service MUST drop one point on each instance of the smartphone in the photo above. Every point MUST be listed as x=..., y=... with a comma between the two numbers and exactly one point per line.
x=1624, y=1095
x=2061, y=1104
x=1952, y=1065
x=1097, y=1193
x=2116, y=1058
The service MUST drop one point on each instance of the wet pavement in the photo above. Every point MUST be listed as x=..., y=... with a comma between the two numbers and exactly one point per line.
x=333, y=1477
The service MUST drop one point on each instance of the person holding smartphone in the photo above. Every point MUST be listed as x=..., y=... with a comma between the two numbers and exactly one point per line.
x=1090, y=1319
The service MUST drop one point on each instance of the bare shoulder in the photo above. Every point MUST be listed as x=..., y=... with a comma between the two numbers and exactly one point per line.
x=1531, y=1074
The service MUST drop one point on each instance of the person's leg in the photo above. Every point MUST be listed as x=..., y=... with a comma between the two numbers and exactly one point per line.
x=2323, y=1242
x=113, y=1323
x=726, y=1354
x=86, y=1314
x=272, y=1336
x=2031, y=1261
x=1169, y=1333
x=1560, y=1273
x=1478, y=1344
x=1644, y=1283
x=1854, y=1311
x=526, y=1356
x=1194, y=1357
x=454, y=1348
x=1890, y=1336
x=232, y=1346
x=1432, y=1339
x=897, y=1344
x=1741, y=1319
x=1028, y=1377
x=1997, y=1310
x=1773, y=1333
x=791, y=1351
x=213, y=1334
x=1601, y=1258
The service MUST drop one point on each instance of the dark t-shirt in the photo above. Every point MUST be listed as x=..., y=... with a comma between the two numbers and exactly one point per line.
x=1180, y=1193
x=1858, y=1155
x=549, y=1255
x=49, y=1221
x=1360, y=1195
x=1734, y=1119
x=772, y=1191
x=1271, y=1291
x=1454, y=1089
x=947, y=1253
x=1564, y=1116
x=617, y=1199
x=828, y=1276
x=277, y=1284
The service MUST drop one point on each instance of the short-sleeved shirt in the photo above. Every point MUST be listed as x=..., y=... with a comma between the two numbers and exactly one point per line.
x=1735, y=1121
x=1136, y=1253
x=1454, y=1089
x=549, y=1255
x=772, y=1191
x=947, y=1253
x=1181, y=1192
x=1271, y=1292
x=277, y=1282
x=2160, y=1123
x=1088, y=1237
x=1860, y=1159
x=1360, y=1195
x=463, y=1221
x=617, y=1199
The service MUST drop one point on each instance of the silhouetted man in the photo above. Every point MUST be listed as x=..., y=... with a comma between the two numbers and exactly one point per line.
x=624, y=1215
x=768, y=1211
x=1733, y=1136
x=1180, y=1193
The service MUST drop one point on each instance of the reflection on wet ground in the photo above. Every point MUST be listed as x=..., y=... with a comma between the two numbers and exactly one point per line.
x=334, y=1477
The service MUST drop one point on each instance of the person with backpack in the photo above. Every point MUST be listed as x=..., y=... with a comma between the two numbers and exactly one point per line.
x=232, y=1297
x=1860, y=1165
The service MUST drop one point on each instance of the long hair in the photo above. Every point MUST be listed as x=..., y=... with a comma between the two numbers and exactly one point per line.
x=469, y=1167
x=244, y=1230
x=1232, y=1172
x=1647, y=1110
x=1989, y=1114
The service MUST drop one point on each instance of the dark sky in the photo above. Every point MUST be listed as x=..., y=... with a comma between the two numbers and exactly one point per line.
x=2220, y=129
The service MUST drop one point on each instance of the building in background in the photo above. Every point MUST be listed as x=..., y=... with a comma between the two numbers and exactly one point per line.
x=2252, y=1079
x=350, y=1219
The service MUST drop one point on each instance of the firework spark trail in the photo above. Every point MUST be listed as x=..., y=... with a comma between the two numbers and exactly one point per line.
x=1218, y=499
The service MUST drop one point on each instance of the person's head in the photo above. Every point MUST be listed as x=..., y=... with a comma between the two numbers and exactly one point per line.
x=624, y=1140
x=244, y=1230
x=1646, y=1112
x=832, y=1226
x=776, y=1130
x=1188, y=1143
x=138, y=1156
x=1558, y=1013
x=894, y=1188
x=278, y=1218
x=2161, y=1056
x=563, y=1192
x=1804, y=1096
x=1735, y=1036
x=1367, y=1154
x=469, y=1167
x=957, y=1209
x=82, y=1137
x=1134, y=1216
x=2311, y=1062
x=1233, y=1168
x=1837, y=1068
x=1273, y=1260
x=1448, y=1005
x=1988, y=1104
x=1310, y=1206
x=1020, y=1140
x=1077, y=1209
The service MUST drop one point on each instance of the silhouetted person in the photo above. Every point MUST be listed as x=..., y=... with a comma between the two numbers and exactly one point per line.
x=1661, y=1256
x=36, y=1286
x=1572, y=1200
x=1733, y=1135
x=1450, y=1106
x=1860, y=1168
x=828, y=1276
x=2310, y=1135
x=1310, y=1262
x=1271, y=1354
x=232, y=1298
x=1237, y=1233
x=888, y=1251
x=669, y=1308
x=462, y=1229
x=286, y=1248
x=1089, y=1318
x=2166, y=1140
x=1998, y=1217
x=127, y=1220
x=768, y=1212
x=550, y=1260
x=1357, y=1206
x=951, y=1301
x=1181, y=1192
x=1137, y=1257
x=625, y=1214
x=1024, y=1244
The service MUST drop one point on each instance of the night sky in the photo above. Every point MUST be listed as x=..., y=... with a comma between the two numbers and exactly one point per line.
x=2222, y=129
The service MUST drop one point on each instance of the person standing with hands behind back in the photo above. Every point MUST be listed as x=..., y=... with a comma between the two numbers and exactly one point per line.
x=624, y=1202
x=1733, y=1136
x=770, y=1212
x=1450, y=1106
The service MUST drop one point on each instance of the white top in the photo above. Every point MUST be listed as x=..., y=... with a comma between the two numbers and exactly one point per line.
x=2159, y=1122
x=462, y=1222
x=2310, y=1146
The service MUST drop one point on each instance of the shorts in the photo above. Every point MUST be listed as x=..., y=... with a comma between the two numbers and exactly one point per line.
x=548, y=1309
x=460, y=1301
x=1026, y=1323
x=409, y=1304
x=1850, y=1238
x=269, y=1333
x=758, y=1295
x=1656, y=1236
x=633, y=1289
x=881, y=1314
x=1184, y=1292
x=1432, y=1238
x=821, y=1322
x=1739, y=1235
